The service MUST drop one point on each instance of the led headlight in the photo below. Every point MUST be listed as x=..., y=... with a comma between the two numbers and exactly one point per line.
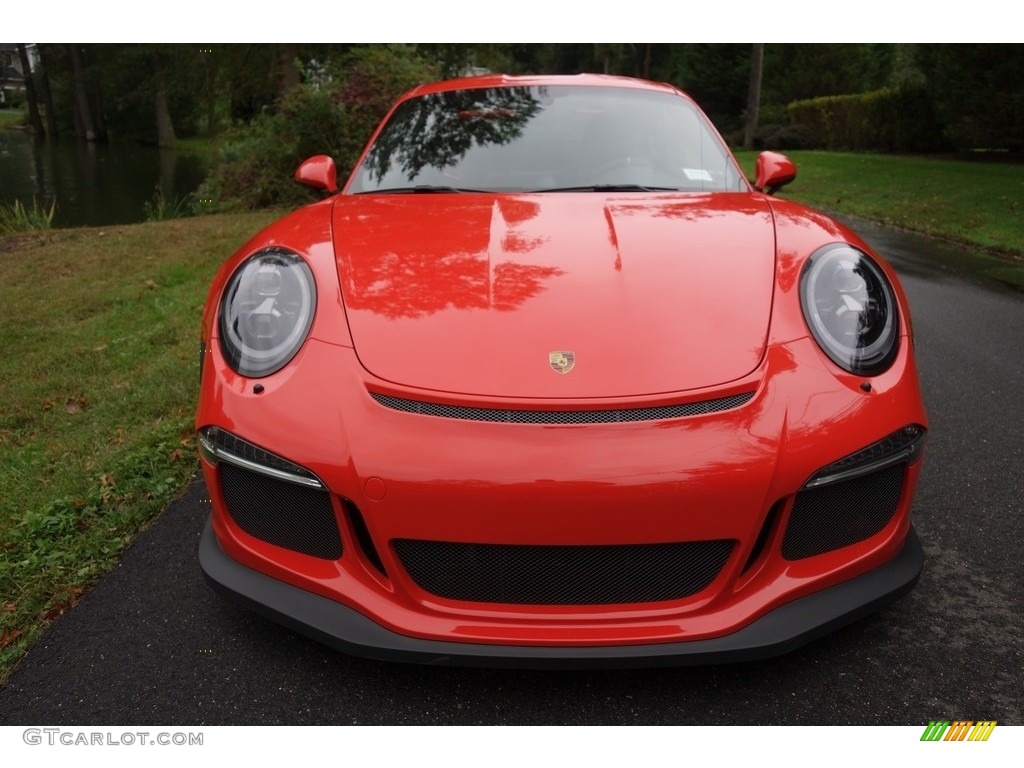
x=266, y=311
x=850, y=307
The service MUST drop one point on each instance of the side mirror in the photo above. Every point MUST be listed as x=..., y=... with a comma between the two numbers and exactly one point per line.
x=318, y=172
x=772, y=172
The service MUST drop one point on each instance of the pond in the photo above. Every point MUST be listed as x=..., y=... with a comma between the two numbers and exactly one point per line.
x=93, y=184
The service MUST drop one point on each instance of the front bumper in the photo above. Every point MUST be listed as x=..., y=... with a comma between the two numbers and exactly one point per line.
x=389, y=477
x=783, y=629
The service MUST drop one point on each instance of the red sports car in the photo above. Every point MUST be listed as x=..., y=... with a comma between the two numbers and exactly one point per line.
x=548, y=382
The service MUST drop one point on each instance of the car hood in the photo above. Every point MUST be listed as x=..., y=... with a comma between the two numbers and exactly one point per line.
x=556, y=295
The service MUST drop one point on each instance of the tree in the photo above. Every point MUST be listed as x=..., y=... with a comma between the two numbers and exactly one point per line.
x=30, y=92
x=977, y=94
x=85, y=125
x=165, y=136
x=794, y=71
x=44, y=88
x=753, y=95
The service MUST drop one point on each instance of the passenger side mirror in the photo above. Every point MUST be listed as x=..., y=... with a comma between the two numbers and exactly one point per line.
x=773, y=171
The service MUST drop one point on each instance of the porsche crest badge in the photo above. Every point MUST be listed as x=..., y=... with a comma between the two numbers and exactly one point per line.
x=562, y=361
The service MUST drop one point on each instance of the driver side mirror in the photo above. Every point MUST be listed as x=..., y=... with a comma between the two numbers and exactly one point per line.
x=318, y=172
x=773, y=171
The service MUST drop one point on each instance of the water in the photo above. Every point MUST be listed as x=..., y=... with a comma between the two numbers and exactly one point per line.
x=94, y=184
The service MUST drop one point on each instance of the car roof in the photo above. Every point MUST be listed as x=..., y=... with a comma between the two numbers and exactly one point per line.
x=499, y=80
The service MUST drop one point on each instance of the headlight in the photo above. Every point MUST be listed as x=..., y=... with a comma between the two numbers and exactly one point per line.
x=266, y=311
x=850, y=308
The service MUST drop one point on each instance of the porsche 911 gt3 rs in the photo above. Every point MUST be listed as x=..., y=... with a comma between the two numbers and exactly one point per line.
x=548, y=381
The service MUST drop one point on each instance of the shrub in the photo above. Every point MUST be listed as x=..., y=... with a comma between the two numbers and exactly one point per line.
x=256, y=163
x=373, y=77
x=890, y=119
x=334, y=114
x=776, y=137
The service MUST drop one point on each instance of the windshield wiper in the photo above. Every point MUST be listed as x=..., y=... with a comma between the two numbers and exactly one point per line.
x=610, y=188
x=420, y=189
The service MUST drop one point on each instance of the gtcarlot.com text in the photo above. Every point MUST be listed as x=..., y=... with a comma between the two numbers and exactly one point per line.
x=71, y=738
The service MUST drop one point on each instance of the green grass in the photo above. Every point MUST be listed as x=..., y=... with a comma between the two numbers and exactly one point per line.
x=99, y=383
x=979, y=203
x=161, y=208
x=20, y=218
x=9, y=118
x=204, y=146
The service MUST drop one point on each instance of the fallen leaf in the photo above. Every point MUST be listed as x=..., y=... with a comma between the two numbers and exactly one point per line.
x=8, y=637
x=51, y=614
x=76, y=404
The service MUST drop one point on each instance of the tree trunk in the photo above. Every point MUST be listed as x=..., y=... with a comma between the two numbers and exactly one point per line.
x=164, y=127
x=84, y=125
x=753, y=95
x=30, y=92
x=94, y=93
x=210, y=95
x=287, y=69
x=47, y=94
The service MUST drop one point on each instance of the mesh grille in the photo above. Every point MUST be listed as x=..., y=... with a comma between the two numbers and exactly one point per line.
x=563, y=575
x=281, y=513
x=834, y=516
x=510, y=416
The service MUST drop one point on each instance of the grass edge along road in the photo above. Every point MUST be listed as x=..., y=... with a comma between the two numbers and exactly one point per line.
x=973, y=202
x=100, y=369
x=99, y=375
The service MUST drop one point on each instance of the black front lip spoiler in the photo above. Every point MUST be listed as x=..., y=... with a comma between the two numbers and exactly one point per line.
x=785, y=629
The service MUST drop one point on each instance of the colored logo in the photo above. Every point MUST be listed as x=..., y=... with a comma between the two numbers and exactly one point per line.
x=959, y=730
x=562, y=361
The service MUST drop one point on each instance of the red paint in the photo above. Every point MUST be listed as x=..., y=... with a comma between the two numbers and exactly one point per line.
x=663, y=299
x=773, y=171
x=318, y=172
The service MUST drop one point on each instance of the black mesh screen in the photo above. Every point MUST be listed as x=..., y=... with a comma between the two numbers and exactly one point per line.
x=563, y=575
x=837, y=515
x=510, y=416
x=285, y=514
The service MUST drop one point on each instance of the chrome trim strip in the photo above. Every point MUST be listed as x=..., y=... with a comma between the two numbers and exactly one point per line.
x=908, y=455
x=214, y=454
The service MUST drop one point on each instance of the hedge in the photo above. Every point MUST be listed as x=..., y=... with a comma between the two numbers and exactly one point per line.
x=888, y=120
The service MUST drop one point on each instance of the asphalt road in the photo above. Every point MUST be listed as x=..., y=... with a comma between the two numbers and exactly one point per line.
x=152, y=645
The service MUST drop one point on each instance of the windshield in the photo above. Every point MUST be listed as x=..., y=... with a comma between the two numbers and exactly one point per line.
x=547, y=138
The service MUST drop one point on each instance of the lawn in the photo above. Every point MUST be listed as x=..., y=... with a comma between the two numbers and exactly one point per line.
x=976, y=202
x=11, y=117
x=99, y=375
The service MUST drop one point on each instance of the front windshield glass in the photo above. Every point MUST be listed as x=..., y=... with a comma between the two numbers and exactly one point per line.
x=547, y=138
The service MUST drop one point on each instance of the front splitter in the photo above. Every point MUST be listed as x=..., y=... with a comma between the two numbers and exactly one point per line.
x=784, y=629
